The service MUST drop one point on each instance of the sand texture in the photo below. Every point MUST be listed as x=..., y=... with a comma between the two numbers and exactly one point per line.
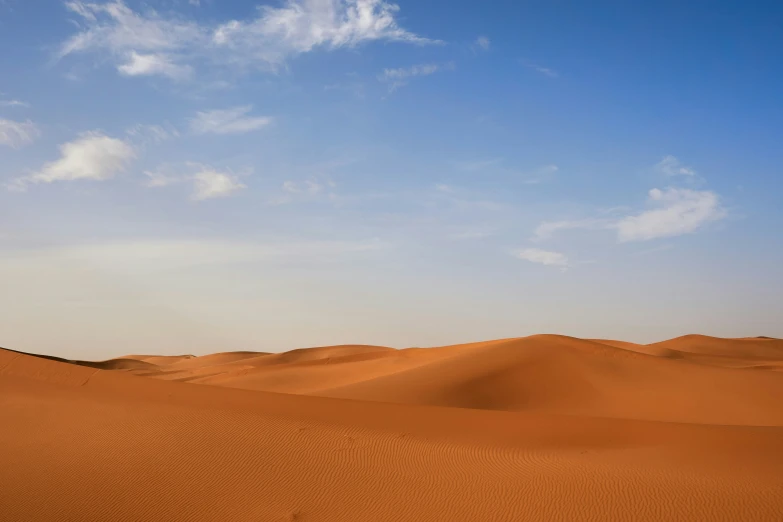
x=541, y=428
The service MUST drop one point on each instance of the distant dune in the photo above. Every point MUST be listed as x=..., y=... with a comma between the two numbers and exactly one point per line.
x=538, y=428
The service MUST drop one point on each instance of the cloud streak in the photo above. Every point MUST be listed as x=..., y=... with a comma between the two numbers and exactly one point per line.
x=546, y=71
x=543, y=257
x=15, y=134
x=228, y=121
x=13, y=103
x=547, y=229
x=400, y=77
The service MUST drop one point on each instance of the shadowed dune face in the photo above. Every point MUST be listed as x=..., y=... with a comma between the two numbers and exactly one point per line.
x=545, y=427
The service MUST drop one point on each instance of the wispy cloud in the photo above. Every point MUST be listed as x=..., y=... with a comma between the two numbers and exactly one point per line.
x=228, y=121
x=308, y=186
x=483, y=43
x=400, y=77
x=546, y=71
x=210, y=184
x=13, y=103
x=681, y=211
x=478, y=164
x=147, y=43
x=671, y=166
x=675, y=212
x=543, y=257
x=309, y=189
x=93, y=156
x=547, y=229
x=15, y=134
x=207, y=182
x=163, y=176
x=153, y=133
x=154, y=64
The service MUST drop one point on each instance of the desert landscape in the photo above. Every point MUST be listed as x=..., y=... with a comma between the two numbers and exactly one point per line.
x=391, y=261
x=545, y=427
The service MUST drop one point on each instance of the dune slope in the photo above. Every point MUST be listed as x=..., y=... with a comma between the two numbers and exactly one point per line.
x=374, y=435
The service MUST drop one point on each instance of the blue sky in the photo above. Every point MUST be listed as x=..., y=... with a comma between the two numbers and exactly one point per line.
x=200, y=176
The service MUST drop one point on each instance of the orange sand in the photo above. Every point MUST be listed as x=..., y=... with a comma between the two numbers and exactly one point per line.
x=539, y=428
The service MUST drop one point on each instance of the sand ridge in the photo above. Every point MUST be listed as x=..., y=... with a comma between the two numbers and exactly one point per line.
x=538, y=428
x=550, y=373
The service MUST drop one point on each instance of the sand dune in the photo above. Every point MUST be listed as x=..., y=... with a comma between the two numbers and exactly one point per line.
x=538, y=428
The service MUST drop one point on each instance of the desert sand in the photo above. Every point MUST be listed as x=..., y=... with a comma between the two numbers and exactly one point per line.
x=541, y=428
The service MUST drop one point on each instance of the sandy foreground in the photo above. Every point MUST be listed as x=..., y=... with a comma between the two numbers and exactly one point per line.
x=542, y=428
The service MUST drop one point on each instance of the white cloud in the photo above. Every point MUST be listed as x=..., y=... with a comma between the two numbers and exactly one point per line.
x=152, y=64
x=543, y=257
x=114, y=27
x=17, y=133
x=229, y=121
x=483, y=43
x=678, y=211
x=152, y=43
x=682, y=211
x=210, y=184
x=397, y=78
x=671, y=166
x=93, y=156
x=300, y=26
